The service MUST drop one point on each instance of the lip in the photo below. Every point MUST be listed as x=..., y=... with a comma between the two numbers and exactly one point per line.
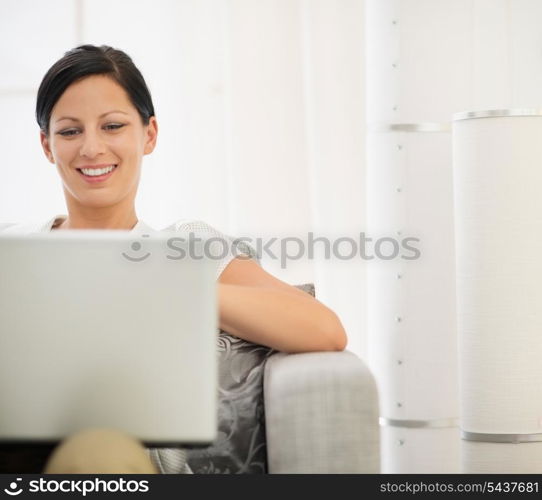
x=98, y=178
x=101, y=165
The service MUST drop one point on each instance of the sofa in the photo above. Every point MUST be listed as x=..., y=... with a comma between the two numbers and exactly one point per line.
x=278, y=413
x=321, y=414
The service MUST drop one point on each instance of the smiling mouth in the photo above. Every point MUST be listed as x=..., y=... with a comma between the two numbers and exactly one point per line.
x=97, y=174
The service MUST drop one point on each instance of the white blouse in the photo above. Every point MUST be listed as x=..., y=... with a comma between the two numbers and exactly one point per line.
x=222, y=248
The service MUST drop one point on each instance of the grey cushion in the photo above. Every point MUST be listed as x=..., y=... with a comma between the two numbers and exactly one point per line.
x=240, y=447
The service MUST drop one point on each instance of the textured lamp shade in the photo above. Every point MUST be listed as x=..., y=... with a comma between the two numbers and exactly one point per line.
x=413, y=87
x=411, y=314
x=430, y=450
x=497, y=157
x=426, y=60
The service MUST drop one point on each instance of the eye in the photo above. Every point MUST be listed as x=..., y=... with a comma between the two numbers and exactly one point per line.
x=69, y=132
x=114, y=126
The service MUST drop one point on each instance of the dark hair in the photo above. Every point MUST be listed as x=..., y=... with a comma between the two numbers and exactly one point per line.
x=87, y=60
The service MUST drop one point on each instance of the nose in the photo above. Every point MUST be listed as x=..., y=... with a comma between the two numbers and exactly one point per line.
x=92, y=145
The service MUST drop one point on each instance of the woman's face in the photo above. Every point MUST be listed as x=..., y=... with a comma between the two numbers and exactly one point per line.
x=93, y=127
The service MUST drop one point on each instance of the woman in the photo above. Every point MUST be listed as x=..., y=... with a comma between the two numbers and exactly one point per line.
x=97, y=121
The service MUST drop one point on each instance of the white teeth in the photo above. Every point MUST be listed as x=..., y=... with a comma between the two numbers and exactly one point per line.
x=97, y=171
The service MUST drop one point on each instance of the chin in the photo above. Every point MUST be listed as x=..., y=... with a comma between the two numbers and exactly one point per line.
x=96, y=200
x=99, y=197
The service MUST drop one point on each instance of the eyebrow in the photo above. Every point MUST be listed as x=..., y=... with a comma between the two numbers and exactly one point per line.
x=101, y=116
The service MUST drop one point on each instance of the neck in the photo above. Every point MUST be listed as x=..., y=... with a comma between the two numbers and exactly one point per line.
x=98, y=223
x=99, y=218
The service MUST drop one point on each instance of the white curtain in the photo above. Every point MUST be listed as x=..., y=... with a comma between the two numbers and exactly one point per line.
x=260, y=110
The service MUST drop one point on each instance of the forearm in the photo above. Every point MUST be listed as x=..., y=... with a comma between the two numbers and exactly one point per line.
x=279, y=319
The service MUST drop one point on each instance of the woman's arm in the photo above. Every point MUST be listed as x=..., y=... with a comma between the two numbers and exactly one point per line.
x=256, y=306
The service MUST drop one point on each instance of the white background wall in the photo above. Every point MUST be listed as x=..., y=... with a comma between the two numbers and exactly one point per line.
x=261, y=115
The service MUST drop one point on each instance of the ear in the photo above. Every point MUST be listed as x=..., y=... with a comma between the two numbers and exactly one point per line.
x=46, y=147
x=151, y=135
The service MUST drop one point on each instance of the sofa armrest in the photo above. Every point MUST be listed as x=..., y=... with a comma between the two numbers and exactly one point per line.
x=321, y=414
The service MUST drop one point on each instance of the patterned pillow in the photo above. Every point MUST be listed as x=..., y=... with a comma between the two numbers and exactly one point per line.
x=240, y=446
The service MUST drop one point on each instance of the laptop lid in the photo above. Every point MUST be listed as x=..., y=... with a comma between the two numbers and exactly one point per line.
x=107, y=329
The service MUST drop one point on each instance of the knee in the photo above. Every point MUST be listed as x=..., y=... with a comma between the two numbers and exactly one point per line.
x=100, y=451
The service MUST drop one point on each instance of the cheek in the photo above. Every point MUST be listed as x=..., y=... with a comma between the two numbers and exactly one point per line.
x=128, y=148
x=64, y=152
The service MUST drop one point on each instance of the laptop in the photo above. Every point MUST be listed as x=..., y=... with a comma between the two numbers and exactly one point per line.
x=102, y=328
